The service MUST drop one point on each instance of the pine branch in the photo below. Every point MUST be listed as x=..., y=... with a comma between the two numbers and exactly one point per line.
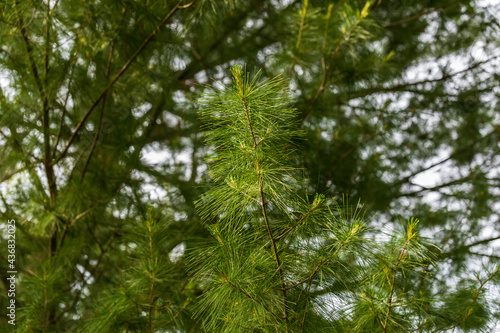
x=326, y=73
x=299, y=221
x=451, y=156
x=242, y=90
x=117, y=76
x=372, y=307
x=393, y=283
x=151, y=278
x=49, y=171
x=405, y=85
x=247, y=295
x=475, y=296
x=61, y=124
x=103, y=105
x=247, y=154
x=318, y=267
x=417, y=16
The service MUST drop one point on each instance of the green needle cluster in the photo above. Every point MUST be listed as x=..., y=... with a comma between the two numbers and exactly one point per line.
x=285, y=260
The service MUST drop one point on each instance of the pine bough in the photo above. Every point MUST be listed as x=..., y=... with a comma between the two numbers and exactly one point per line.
x=283, y=260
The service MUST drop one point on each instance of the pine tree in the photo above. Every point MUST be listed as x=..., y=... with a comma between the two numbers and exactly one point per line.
x=386, y=93
x=282, y=260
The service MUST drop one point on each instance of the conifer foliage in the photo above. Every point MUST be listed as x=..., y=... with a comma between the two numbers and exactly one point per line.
x=149, y=286
x=398, y=104
x=282, y=260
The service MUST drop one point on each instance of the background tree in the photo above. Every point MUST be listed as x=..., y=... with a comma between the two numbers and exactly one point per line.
x=389, y=93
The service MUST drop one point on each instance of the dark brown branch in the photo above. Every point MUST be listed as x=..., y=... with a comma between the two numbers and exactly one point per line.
x=64, y=110
x=103, y=106
x=468, y=246
x=482, y=241
x=405, y=86
x=435, y=188
x=456, y=152
x=49, y=171
x=415, y=17
x=485, y=255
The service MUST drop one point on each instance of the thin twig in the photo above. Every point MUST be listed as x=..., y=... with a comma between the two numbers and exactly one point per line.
x=151, y=278
x=405, y=86
x=250, y=296
x=389, y=299
x=456, y=152
x=299, y=221
x=45, y=104
x=320, y=264
x=303, y=322
x=372, y=307
x=103, y=106
x=416, y=16
x=64, y=110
